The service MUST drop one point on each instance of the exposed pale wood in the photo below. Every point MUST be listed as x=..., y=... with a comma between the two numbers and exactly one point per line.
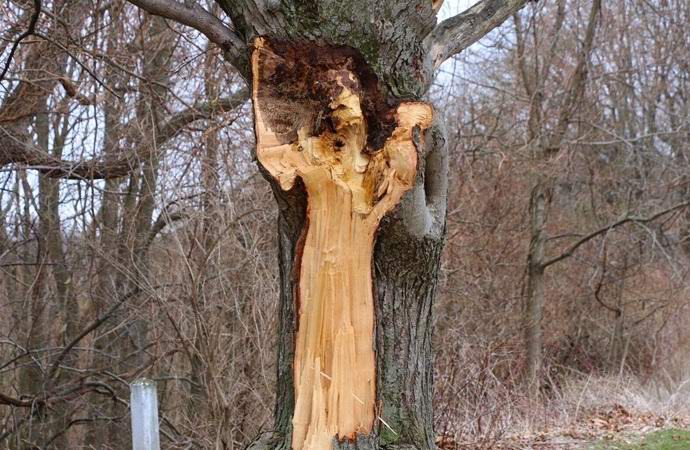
x=350, y=187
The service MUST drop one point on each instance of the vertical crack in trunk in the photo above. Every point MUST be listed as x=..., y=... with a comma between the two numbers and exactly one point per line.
x=318, y=117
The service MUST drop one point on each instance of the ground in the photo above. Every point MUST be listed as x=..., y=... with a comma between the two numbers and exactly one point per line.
x=604, y=428
x=669, y=439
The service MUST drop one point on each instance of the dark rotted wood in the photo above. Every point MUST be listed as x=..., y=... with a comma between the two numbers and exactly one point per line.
x=301, y=86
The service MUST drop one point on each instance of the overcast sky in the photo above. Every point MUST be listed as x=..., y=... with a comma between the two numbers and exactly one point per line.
x=452, y=7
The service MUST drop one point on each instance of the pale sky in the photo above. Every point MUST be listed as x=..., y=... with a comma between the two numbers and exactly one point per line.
x=453, y=7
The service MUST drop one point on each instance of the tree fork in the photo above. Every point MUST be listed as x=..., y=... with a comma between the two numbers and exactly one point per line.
x=320, y=118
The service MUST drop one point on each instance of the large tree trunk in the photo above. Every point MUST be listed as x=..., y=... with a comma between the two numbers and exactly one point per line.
x=354, y=349
x=358, y=166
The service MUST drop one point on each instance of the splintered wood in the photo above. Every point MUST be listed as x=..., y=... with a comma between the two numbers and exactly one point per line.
x=324, y=141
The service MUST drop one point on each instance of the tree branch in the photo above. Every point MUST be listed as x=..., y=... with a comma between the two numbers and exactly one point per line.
x=192, y=15
x=602, y=230
x=28, y=32
x=13, y=148
x=11, y=401
x=455, y=34
x=88, y=329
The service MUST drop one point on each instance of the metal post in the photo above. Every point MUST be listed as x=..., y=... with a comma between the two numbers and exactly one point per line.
x=144, y=406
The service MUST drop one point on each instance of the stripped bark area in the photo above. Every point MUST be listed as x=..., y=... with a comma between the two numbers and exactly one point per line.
x=319, y=117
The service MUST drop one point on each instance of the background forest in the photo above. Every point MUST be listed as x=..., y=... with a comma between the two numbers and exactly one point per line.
x=138, y=239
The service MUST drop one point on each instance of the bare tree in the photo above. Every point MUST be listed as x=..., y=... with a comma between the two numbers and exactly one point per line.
x=546, y=144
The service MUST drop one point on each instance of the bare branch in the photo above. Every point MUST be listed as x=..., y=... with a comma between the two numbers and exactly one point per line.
x=569, y=252
x=28, y=32
x=89, y=328
x=193, y=15
x=455, y=34
x=13, y=148
x=11, y=401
